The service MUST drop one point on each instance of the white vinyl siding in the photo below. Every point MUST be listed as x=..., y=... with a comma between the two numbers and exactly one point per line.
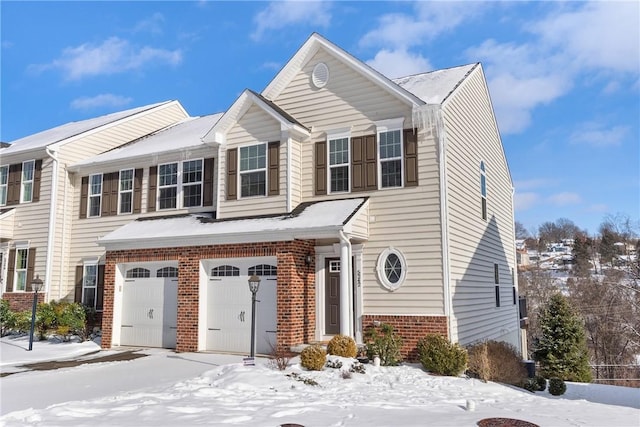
x=255, y=126
x=475, y=244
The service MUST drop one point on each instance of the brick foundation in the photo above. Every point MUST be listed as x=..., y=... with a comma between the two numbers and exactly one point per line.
x=410, y=328
x=295, y=296
x=21, y=301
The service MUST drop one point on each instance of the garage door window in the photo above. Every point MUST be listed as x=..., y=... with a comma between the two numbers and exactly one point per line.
x=225, y=271
x=263, y=270
x=137, y=273
x=167, y=272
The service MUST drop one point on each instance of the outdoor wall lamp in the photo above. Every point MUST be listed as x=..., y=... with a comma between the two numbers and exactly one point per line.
x=254, y=285
x=308, y=259
x=36, y=285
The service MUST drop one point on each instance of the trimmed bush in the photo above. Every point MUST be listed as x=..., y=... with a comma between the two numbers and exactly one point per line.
x=496, y=361
x=557, y=387
x=530, y=384
x=541, y=382
x=7, y=318
x=313, y=358
x=383, y=341
x=440, y=356
x=343, y=346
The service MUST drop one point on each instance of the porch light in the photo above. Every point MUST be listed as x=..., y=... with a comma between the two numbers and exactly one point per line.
x=36, y=285
x=308, y=259
x=254, y=285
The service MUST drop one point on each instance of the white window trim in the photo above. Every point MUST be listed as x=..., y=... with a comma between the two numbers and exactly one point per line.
x=26, y=181
x=483, y=189
x=160, y=187
x=380, y=270
x=84, y=287
x=189, y=184
x=390, y=125
x=120, y=191
x=265, y=170
x=333, y=135
x=99, y=196
x=5, y=185
x=15, y=269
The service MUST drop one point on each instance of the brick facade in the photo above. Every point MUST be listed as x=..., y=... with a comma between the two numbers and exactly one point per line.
x=410, y=328
x=295, y=294
x=21, y=301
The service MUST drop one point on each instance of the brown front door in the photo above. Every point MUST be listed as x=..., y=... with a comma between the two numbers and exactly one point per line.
x=332, y=297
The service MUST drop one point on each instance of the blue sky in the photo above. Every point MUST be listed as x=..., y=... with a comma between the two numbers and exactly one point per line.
x=564, y=77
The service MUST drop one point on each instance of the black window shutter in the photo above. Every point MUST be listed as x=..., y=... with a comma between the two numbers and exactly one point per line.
x=153, y=188
x=37, y=177
x=274, y=168
x=207, y=183
x=321, y=168
x=100, y=288
x=13, y=184
x=84, y=194
x=410, y=157
x=77, y=295
x=31, y=264
x=137, y=191
x=232, y=174
x=11, y=268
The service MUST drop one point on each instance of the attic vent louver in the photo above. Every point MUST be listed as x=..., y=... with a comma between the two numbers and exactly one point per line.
x=320, y=75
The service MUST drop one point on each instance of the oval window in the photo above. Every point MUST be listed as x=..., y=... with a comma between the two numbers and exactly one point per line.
x=391, y=268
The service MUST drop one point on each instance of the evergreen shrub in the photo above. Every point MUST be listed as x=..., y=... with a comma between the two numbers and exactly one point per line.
x=440, y=356
x=383, y=341
x=342, y=345
x=313, y=358
x=557, y=387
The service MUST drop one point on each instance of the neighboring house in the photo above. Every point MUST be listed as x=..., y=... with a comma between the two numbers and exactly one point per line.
x=37, y=192
x=356, y=199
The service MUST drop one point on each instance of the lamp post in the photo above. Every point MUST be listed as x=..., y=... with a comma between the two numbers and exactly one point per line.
x=36, y=285
x=254, y=284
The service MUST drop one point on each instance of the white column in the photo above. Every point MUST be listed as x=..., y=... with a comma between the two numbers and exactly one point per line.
x=345, y=264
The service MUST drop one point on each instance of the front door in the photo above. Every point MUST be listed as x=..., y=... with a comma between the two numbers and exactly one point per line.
x=332, y=297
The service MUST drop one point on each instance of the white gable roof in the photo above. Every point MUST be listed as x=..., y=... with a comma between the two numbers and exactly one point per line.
x=310, y=220
x=64, y=133
x=185, y=134
x=435, y=86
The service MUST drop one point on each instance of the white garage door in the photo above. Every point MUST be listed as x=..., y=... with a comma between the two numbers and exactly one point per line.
x=149, y=310
x=229, y=306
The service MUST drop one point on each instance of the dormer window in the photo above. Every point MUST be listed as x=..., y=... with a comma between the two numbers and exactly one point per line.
x=253, y=170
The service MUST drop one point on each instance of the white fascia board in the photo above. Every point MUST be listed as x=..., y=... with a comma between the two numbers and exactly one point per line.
x=306, y=52
x=167, y=104
x=221, y=239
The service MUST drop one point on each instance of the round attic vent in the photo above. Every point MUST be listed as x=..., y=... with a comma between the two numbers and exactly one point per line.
x=320, y=75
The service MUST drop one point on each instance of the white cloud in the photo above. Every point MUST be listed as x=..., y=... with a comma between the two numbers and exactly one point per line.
x=525, y=200
x=113, y=56
x=600, y=34
x=597, y=136
x=152, y=25
x=564, y=199
x=98, y=101
x=399, y=63
x=430, y=19
x=280, y=14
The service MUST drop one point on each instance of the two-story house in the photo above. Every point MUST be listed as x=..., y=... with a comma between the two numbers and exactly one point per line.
x=355, y=198
x=37, y=193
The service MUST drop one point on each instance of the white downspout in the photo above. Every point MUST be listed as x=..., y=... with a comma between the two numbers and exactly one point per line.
x=345, y=284
x=52, y=222
x=444, y=220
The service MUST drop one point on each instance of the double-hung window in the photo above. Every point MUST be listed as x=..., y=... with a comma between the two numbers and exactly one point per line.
x=253, y=170
x=26, y=189
x=483, y=191
x=22, y=257
x=339, y=164
x=89, y=284
x=95, y=195
x=125, y=191
x=167, y=186
x=4, y=180
x=191, y=183
x=390, y=152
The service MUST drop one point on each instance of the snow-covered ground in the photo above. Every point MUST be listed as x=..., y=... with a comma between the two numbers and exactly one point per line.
x=184, y=389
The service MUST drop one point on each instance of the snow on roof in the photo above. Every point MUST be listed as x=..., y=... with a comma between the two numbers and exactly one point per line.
x=309, y=218
x=68, y=130
x=187, y=133
x=435, y=86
